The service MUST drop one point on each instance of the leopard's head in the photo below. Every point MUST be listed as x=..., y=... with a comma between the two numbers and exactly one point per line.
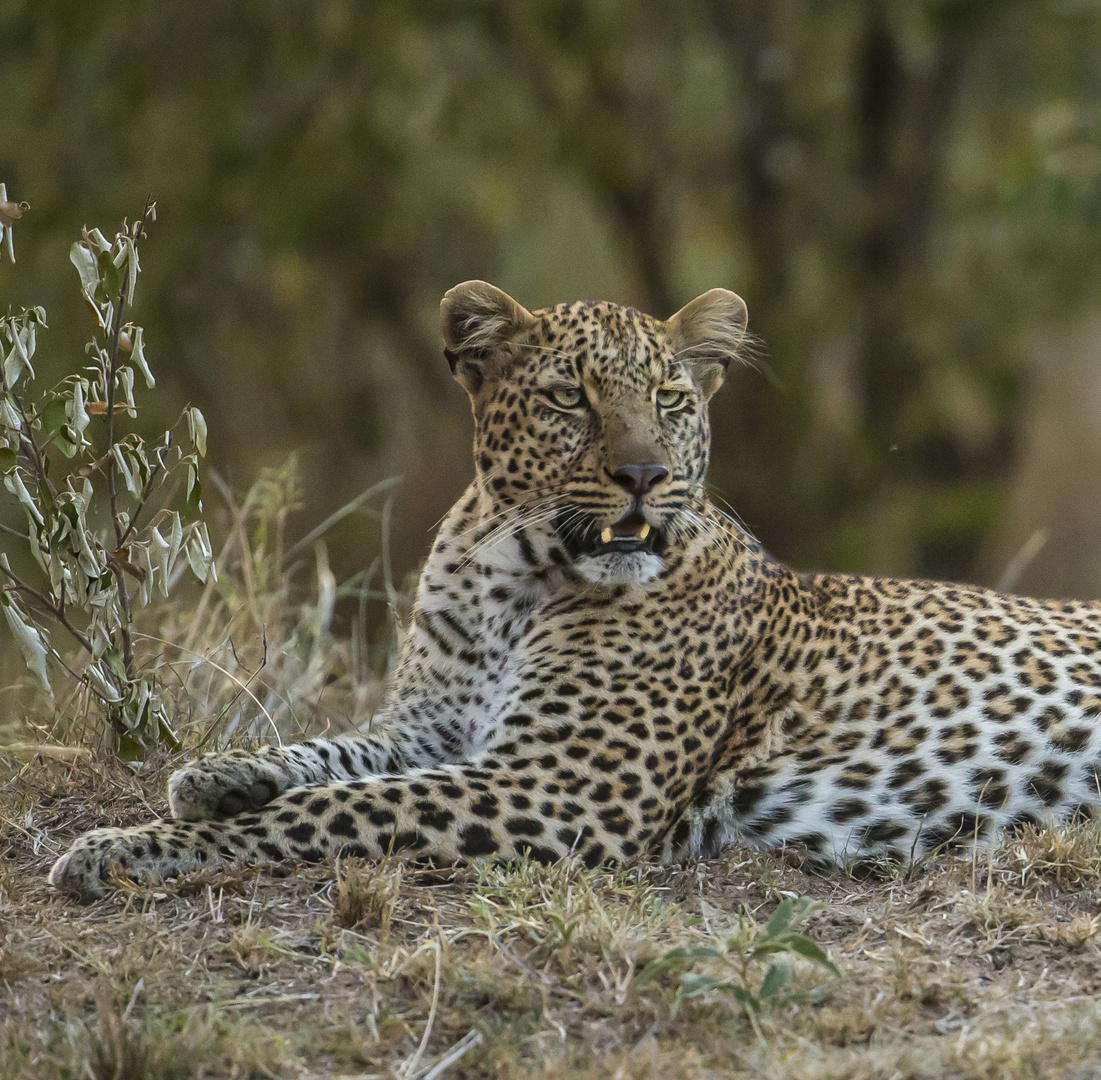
x=591, y=426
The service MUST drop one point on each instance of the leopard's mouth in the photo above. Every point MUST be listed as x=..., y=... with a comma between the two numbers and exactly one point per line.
x=631, y=533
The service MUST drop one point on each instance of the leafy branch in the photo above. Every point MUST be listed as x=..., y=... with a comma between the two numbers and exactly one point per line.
x=99, y=532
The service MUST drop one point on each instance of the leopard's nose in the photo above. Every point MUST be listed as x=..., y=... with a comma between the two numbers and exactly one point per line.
x=639, y=479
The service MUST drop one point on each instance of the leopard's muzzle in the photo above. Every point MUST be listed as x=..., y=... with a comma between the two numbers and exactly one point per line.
x=581, y=534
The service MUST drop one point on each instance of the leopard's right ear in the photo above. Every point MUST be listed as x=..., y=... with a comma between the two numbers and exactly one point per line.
x=708, y=333
x=477, y=320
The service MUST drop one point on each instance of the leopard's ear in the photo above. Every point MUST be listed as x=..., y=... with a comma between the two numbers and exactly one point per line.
x=478, y=320
x=707, y=333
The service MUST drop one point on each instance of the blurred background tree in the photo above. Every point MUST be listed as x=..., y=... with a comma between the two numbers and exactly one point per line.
x=906, y=192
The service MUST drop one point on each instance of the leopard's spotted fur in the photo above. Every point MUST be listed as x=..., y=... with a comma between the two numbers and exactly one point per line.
x=556, y=694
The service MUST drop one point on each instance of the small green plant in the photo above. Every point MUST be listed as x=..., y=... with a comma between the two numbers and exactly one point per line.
x=102, y=539
x=740, y=963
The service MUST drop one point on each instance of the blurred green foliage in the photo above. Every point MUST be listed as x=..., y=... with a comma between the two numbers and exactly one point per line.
x=901, y=190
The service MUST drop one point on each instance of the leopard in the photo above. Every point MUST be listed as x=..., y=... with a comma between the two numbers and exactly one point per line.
x=604, y=664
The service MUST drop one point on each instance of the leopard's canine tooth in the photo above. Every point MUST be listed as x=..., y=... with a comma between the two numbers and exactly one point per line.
x=644, y=531
x=606, y=535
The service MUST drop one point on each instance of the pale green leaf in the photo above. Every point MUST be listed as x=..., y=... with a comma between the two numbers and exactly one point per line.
x=196, y=427
x=125, y=378
x=122, y=463
x=94, y=238
x=775, y=980
x=139, y=556
x=159, y=556
x=14, y=483
x=781, y=919
x=81, y=256
x=137, y=357
x=175, y=540
x=198, y=556
x=164, y=730
x=31, y=645
x=674, y=959
x=77, y=413
x=9, y=415
x=813, y=951
x=194, y=488
x=744, y=997
x=19, y=357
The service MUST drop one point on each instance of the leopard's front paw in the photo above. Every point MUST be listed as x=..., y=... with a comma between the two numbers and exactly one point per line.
x=84, y=869
x=161, y=849
x=221, y=786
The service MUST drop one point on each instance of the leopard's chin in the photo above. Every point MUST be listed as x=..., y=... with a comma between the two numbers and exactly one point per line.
x=620, y=567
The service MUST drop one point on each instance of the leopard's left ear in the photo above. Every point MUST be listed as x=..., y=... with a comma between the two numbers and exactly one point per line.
x=478, y=322
x=707, y=333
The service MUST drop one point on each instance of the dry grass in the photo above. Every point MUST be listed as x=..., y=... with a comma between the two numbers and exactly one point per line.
x=251, y=656
x=976, y=970
x=366, y=895
x=985, y=969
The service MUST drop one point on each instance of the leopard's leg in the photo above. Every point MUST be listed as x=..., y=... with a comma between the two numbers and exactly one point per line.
x=222, y=785
x=448, y=814
x=412, y=731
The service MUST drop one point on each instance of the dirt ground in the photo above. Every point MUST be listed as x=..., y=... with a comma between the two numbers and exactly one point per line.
x=968, y=968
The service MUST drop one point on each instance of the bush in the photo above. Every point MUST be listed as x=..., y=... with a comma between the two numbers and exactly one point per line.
x=102, y=535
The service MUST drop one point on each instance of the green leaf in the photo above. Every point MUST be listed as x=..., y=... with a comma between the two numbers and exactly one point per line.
x=31, y=645
x=53, y=414
x=107, y=288
x=801, y=997
x=95, y=678
x=744, y=997
x=675, y=958
x=811, y=950
x=804, y=907
x=137, y=456
x=114, y=662
x=781, y=944
x=64, y=442
x=129, y=749
x=167, y=736
x=693, y=984
x=780, y=921
x=775, y=980
x=194, y=490
x=7, y=459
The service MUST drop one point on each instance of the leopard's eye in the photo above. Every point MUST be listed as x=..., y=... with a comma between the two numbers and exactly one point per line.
x=566, y=397
x=669, y=399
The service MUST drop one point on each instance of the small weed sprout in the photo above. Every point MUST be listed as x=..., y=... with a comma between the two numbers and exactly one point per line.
x=101, y=539
x=742, y=959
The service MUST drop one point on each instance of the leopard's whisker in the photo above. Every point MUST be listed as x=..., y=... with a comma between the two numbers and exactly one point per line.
x=507, y=529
